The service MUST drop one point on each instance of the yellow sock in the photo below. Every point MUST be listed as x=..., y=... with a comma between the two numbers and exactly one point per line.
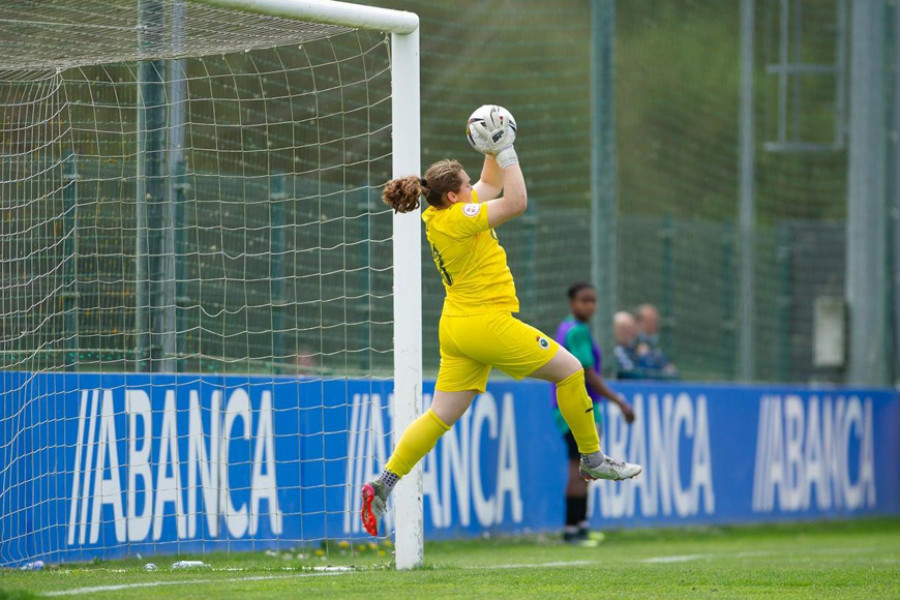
x=578, y=411
x=418, y=439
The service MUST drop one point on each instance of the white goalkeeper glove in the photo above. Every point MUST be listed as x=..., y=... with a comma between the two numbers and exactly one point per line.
x=492, y=130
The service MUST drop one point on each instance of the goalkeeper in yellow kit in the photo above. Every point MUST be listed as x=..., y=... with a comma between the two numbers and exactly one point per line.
x=477, y=329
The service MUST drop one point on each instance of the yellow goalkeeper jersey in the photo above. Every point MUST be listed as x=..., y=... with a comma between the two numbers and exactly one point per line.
x=470, y=259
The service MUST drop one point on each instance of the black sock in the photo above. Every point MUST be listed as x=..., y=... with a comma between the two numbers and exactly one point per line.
x=576, y=510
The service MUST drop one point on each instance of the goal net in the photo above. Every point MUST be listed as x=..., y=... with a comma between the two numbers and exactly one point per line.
x=196, y=307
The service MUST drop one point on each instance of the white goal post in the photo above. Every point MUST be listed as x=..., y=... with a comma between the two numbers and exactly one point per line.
x=405, y=127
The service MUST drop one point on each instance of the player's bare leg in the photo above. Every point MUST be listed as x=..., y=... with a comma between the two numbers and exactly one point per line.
x=418, y=439
x=450, y=406
x=576, y=407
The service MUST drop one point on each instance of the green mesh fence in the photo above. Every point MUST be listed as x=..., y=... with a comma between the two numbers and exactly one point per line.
x=677, y=81
x=284, y=248
x=243, y=234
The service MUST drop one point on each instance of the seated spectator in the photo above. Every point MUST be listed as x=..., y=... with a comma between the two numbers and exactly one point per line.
x=652, y=359
x=625, y=352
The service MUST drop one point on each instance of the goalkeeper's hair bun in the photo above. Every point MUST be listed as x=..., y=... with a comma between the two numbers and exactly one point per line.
x=403, y=195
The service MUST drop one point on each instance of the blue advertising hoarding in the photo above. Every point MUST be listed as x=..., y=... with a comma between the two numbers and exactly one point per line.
x=107, y=465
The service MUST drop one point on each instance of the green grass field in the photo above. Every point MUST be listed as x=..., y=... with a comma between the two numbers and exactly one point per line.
x=859, y=559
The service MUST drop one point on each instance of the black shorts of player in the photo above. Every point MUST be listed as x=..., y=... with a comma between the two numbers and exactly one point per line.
x=574, y=454
x=572, y=445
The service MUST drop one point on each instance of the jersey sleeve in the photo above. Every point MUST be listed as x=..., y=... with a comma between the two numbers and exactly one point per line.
x=578, y=342
x=466, y=219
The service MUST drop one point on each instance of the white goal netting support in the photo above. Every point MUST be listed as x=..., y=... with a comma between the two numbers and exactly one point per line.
x=204, y=306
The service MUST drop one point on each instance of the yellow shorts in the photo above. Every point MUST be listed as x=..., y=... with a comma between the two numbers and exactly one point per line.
x=471, y=345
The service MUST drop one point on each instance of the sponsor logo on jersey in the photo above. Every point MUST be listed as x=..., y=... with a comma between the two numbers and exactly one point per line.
x=470, y=210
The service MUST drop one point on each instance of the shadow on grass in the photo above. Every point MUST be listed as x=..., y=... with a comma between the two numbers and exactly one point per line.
x=16, y=595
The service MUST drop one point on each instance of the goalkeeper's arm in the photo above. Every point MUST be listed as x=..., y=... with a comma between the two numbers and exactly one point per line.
x=491, y=182
x=514, y=200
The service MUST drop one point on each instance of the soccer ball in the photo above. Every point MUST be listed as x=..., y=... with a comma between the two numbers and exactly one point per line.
x=490, y=129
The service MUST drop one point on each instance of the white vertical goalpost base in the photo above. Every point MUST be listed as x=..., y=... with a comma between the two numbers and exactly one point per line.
x=407, y=266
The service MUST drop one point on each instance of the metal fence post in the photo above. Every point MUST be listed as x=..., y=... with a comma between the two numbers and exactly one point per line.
x=668, y=320
x=70, y=294
x=277, y=245
x=747, y=202
x=603, y=166
x=783, y=301
x=866, y=265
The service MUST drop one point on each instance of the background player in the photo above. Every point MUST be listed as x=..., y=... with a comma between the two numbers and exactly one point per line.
x=574, y=334
x=477, y=330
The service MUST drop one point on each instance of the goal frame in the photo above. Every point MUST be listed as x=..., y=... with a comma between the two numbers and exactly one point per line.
x=407, y=237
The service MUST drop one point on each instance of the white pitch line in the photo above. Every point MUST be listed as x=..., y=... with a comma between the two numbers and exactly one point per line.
x=562, y=563
x=346, y=571
x=675, y=559
x=151, y=584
